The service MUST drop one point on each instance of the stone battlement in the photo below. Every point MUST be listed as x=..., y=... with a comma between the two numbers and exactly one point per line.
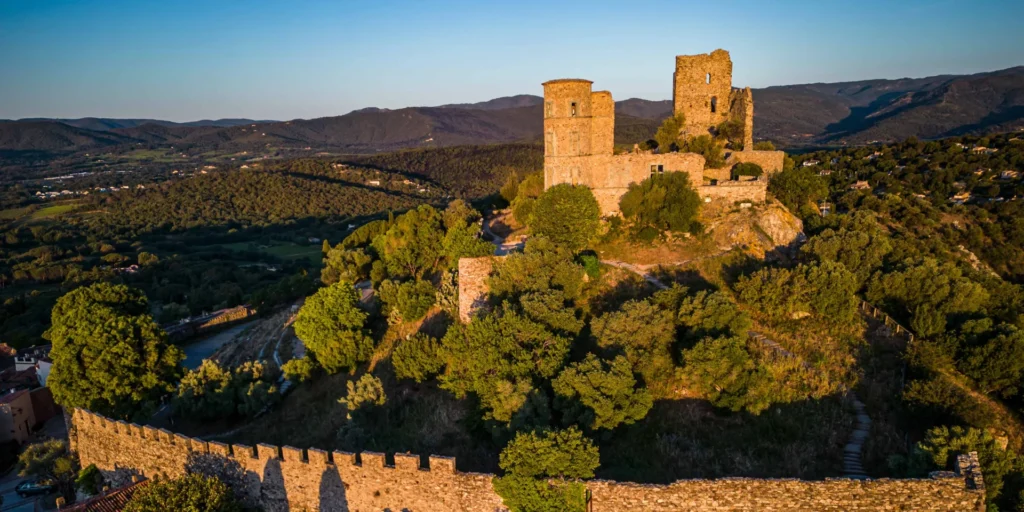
x=288, y=478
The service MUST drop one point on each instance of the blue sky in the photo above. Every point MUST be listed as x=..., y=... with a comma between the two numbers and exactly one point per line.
x=185, y=60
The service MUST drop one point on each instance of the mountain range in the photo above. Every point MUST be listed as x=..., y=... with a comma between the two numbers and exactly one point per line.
x=794, y=116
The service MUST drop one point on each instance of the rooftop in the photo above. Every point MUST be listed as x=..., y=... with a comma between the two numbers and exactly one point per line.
x=567, y=81
x=112, y=501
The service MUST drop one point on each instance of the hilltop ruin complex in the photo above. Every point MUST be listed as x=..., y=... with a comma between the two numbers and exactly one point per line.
x=579, y=132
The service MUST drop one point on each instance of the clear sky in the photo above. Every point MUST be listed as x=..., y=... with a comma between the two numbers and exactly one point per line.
x=185, y=60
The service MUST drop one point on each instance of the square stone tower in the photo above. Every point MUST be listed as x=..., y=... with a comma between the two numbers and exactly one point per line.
x=702, y=90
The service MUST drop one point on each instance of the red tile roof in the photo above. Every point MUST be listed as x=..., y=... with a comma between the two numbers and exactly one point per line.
x=112, y=501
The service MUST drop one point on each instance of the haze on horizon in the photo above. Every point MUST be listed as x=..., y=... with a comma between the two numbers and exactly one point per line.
x=190, y=60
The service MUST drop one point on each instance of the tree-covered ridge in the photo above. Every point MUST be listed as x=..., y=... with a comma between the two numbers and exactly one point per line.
x=963, y=191
x=296, y=190
x=469, y=172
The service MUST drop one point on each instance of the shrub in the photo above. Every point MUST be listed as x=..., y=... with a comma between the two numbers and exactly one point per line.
x=368, y=391
x=644, y=334
x=663, y=202
x=417, y=358
x=300, y=370
x=567, y=215
x=192, y=492
x=764, y=145
x=90, y=480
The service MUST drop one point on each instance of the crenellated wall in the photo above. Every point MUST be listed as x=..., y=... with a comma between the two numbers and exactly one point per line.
x=295, y=479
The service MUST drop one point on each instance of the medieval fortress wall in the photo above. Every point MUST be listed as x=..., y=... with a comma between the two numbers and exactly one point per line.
x=294, y=479
x=579, y=133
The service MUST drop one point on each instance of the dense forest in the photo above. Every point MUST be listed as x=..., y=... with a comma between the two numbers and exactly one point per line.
x=208, y=240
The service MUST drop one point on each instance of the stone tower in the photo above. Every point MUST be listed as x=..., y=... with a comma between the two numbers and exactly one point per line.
x=702, y=90
x=577, y=123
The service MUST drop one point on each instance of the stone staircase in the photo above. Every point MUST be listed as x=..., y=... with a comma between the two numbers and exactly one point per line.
x=852, y=465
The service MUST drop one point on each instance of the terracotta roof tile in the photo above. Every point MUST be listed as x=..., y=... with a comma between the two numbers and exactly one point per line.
x=113, y=501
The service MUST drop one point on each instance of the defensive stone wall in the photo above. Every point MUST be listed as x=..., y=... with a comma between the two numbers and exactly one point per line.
x=295, y=479
x=732, y=191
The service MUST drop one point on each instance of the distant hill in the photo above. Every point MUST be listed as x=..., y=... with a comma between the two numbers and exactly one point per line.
x=105, y=124
x=792, y=116
x=52, y=136
x=521, y=100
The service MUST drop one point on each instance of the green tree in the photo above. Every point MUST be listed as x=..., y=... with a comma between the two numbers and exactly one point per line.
x=192, y=492
x=410, y=299
x=643, y=333
x=764, y=145
x=544, y=283
x=668, y=134
x=600, y=395
x=859, y=244
x=724, y=371
x=798, y=188
x=566, y=214
x=707, y=147
x=147, y=259
x=531, y=460
x=927, y=292
x=51, y=461
x=108, y=354
x=826, y=289
x=996, y=364
x=340, y=264
x=500, y=357
x=410, y=248
x=417, y=357
x=711, y=314
x=210, y=391
x=332, y=327
x=665, y=202
x=942, y=444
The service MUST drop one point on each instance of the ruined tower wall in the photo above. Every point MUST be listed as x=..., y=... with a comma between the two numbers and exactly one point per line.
x=285, y=478
x=602, y=132
x=702, y=89
x=741, y=107
x=473, y=274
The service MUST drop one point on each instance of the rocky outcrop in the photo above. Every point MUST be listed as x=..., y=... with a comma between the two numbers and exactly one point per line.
x=764, y=230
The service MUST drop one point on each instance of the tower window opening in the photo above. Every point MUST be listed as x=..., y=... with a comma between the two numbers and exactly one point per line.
x=548, y=107
x=714, y=104
x=573, y=109
x=661, y=169
x=707, y=78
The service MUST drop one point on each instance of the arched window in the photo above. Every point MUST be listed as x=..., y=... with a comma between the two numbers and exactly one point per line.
x=707, y=79
x=573, y=110
x=714, y=104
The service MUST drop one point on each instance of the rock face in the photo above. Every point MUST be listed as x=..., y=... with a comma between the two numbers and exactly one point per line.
x=764, y=230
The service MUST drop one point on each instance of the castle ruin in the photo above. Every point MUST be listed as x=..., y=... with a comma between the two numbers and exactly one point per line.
x=579, y=135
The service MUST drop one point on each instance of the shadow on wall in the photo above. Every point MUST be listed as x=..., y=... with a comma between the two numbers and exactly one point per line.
x=273, y=495
x=332, y=491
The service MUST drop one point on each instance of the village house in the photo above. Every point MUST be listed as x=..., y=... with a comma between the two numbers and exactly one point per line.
x=1009, y=175
x=811, y=163
x=861, y=185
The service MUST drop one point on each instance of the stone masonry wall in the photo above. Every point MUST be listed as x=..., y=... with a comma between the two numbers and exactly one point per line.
x=702, y=90
x=732, y=191
x=294, y=479
x=473, y=273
